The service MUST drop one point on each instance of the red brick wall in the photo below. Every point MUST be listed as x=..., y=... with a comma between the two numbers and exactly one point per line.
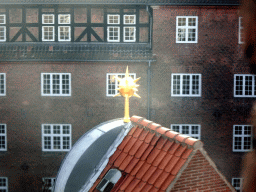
x=200, y=176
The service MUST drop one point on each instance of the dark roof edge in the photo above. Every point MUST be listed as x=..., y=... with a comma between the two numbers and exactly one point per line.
x=125, y=2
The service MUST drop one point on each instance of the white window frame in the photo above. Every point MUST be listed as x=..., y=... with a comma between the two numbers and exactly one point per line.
x=108, y=32
x=2, y=25
x=190, y=85
x=61, y=15
x=237, y=188
x=5, y=137
x=242, y=136
x=110, y=15
x=61, y=135
x=130, y=19
x=44, y=15
x=186, y=27
x=198, y=135
x=244, y=86
x=69, y=33
x=116, y=83
x=3, y=84
x=53, y=180
x=43, y=37
x=133, y=36
x=240, y=33
x=51, y=85
x=3, y=19
x=6, y=183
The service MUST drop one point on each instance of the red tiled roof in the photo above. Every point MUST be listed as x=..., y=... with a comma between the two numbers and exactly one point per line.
x=151, y=156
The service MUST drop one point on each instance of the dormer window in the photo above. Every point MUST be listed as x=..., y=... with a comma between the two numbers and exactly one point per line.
x=109, y=181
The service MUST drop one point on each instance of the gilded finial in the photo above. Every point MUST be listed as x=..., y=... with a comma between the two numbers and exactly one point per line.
x=127, y=88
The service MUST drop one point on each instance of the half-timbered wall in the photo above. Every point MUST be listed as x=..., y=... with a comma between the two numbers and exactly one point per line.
x=84, y=24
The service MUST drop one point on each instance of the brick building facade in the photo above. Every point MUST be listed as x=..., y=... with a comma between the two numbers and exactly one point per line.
x=57, y=62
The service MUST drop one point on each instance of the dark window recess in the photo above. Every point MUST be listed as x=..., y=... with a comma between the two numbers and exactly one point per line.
x=109, y=181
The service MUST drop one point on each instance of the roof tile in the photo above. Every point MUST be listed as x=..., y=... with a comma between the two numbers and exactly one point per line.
x=126, y=182
x=126, y=162
x=136, y=119
x=114, y=156
x=167, y=145
x=171, y=164
x=148, y=174
x=142, y=149
x=137, y=132
x=135, y=147
x=149, y=137
x=132, y=130
x=162, y=130
x=120, y=159
x=177, y=167
x=131, y=165
x=161, y=142
x=153, y=126
x=171, y=134
x=132, y=185
x=186, y=154
x=174, y=148
x=146, y=153
x=125, y=141
x=153, y=189
x=167, y=182
x=154, y=139
x=145, y=122
x=143, y=134
x=140, y=186
x=162, y=177
x=146, y=188
x=165, y=161
x=154, y=176
x=154, y=153
x=129, y=145
x=143, y=170
x=159, y=158
x=137, y=167
x=181, y=138
x=180, y=150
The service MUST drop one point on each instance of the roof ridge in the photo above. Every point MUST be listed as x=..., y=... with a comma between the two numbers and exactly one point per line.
x=167, y=133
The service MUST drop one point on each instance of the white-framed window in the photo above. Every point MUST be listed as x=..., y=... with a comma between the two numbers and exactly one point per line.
x=129, y=34
x=113, y=83
x=48, y=184
x=2, y=28
x=64, y=33
x=186, y=85
x=2, y=84
x=56, y=137
x=192, y=130
x=56, y=84
x=3, y=137
x=64, y=19
x=113, y=34
x=130, y=19
x=186, y=29
x=244, y=85
x=48, y=19
x=2, y=19
x=48, y=33
x=113, y=19
x=237, y=184
x=242, y=138
x=240, y=31
x=129, y=28
x=3, y=184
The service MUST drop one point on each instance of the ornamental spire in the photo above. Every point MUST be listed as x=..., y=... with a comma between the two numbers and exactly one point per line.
x=127, y=88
